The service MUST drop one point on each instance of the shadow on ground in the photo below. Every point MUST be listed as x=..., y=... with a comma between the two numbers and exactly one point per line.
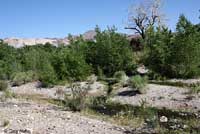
x=128, y=93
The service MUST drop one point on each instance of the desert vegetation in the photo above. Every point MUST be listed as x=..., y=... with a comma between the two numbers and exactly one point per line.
x=107, y=78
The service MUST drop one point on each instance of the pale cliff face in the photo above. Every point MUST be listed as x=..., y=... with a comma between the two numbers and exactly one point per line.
x=20, y=42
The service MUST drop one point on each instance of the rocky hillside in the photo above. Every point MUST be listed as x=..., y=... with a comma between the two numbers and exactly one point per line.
x=20, y=42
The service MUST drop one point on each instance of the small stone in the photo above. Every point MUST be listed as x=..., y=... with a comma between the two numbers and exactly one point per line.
x=163, y=119
x=15, y=105
x=32, y=118
x=185, y=126
x=18, y=121
x=68, y=117
x=142, y=70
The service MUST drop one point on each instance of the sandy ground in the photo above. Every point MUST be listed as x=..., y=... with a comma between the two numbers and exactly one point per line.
x=160, y=96
x=157, y=95
x=28, y=117
x=32, y=118
x=33, y=89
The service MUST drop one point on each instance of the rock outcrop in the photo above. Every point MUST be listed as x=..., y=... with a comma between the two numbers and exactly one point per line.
x=20, y=42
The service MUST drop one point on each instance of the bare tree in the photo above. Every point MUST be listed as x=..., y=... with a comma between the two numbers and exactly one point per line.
x=144, y=15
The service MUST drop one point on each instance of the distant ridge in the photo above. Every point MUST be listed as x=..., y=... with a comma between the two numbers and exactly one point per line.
x=21, y=42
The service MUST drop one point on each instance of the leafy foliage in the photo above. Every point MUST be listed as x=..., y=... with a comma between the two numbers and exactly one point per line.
x=157, y=50
x=165, y=53
x=20, y=78
x=46, y=72
x=110, y=52
x=70, y=65
x=186, y=49
x=174, y=55
x=8, y=61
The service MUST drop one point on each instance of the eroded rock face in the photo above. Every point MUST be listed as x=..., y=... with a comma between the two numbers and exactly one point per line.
x=88, y=35
x=20, y=42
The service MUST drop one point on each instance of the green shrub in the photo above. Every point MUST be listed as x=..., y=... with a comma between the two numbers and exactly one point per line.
x=3, y=85
x=139, y=83
x=8, y=61
x=195, y=89
x=31, y=76
x=157, y=52
x=71, y=65
x=98, y=101
x=111, y=52
x=121, y=77
x=46, y=72
x=30, y=56
x=47, y=76
x=77, y=101
x=174, y=55
x=20, y=78
x=185, y=57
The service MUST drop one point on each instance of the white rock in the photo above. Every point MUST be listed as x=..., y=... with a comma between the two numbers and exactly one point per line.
x=185, y=126
x=163, y=119
x=142, y=70
x=15, y=105
x=68, y=117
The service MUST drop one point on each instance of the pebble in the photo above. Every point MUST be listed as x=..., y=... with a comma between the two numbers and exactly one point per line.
x=15, y=105
x=68, y=117
x=185, y=126
x=163, y=119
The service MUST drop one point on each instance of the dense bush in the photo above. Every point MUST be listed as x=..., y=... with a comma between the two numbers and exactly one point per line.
x=166, y=54
x=174, y=55
x=70, y=65
x=20, y=78
x=29, y=58
x=46, y=72
x=8, y=61
x=157, y=50
x=185, y=56
x=110, y=52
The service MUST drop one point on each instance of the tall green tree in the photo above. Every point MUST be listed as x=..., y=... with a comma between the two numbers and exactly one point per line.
x=186, y=49
x=110, y=52
x=69, y=64
x=174, y=54
x=158, y=50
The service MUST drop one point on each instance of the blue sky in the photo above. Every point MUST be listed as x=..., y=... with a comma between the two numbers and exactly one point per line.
x=57, y=18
